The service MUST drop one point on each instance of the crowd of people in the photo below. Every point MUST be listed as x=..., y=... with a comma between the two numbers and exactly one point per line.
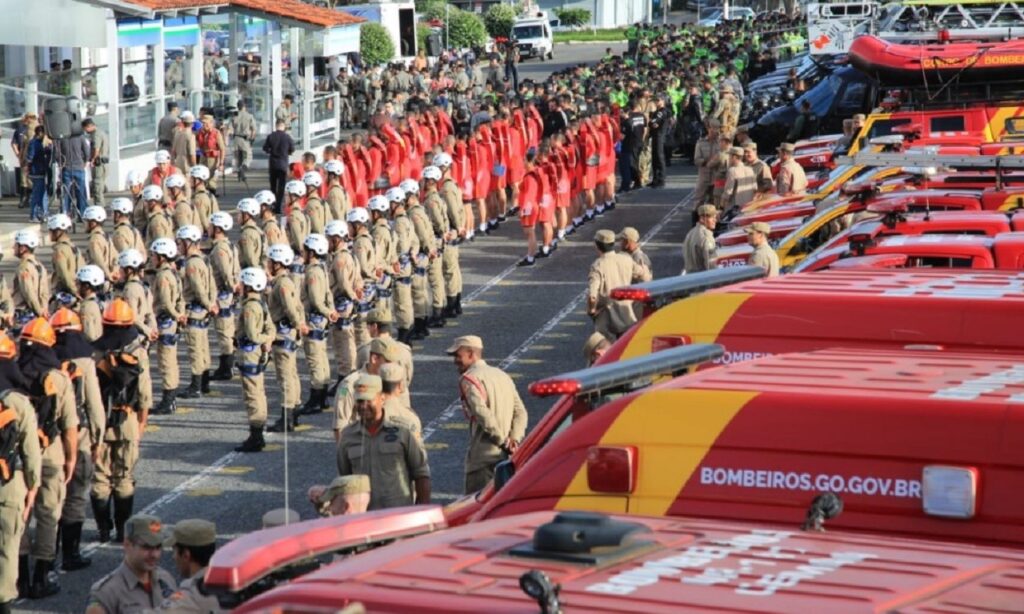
x=355, y=254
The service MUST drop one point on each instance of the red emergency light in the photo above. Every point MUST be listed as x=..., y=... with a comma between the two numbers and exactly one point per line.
x=889, y=207
x=611, y=469
x=630, y=293
x=554, y=387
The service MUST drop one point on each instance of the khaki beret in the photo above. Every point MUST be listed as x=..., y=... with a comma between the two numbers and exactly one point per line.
x=280, y=517
x=368, y=387
x=468, y=341
x=630, y=234
x=735, y=151
x=379, y=316
x=751, y=145
x=354, y=484
x=787, y=147
x=707, y=210
x=593, y=342
x=384, y=349
x=144, y=529
x=604, y=236
x=392, y=372
x=193, y=532
x=762, y=227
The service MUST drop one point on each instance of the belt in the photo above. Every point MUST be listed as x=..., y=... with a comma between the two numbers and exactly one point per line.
x=343, y=323
x=284, y=328
x=200, y=324
x=226, y=312
x=383, y=292
x=298, y=269
x=24, y=316
x=169, y=340
x=406, y=281
x=247, y=345
x=317, y=334
x=248, y=370
x=420, y=271
x=315, y=319
x=286, y=344
x=404, y=259
x=163, y=322
x=195, y=307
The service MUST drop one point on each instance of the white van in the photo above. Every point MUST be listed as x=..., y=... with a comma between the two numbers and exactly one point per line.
x=533, y=37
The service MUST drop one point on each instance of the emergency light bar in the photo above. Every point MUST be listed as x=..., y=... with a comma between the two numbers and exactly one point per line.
x=660, y=292
x=887, y=140
x=897, y=205
x=604, y=378
x=874, y=261
x=867, y=158
x=252, y=557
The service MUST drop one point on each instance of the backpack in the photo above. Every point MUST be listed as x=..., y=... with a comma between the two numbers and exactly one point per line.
x=119, y=373
x=9, y=447
x=46, y=412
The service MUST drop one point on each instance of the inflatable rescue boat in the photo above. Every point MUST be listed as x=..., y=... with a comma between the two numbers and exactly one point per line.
x=933, y=64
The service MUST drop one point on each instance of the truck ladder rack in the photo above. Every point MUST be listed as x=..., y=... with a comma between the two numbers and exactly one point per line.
x=925, y=159
x=921, y=20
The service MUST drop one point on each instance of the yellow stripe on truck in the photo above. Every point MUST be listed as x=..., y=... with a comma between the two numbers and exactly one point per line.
x=673, y=431
x=702, y=318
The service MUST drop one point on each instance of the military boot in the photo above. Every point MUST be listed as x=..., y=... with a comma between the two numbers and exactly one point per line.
x=286, y=423
x=43, y=585
x=255, y=442
x=419, y=330
x=224, y=370
x=204, y=382
x=70, y=547
x=122, y=512
x=449, y=308
x=316, y=403
x=403, y=335
x=101, y=512
x=167, y=405
x=194, y=390
x=436, y=319
x=458, y=304
x=24, y=576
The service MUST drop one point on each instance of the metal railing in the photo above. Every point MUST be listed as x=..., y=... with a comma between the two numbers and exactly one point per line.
x=323, y=115
x=139, y=119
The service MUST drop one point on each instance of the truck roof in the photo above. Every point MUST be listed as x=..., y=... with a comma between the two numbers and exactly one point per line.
x=661, y=565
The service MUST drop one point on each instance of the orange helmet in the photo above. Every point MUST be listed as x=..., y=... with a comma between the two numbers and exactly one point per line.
x=7, y=347
x=119, y=313
x=65, y=319
x=39, y=331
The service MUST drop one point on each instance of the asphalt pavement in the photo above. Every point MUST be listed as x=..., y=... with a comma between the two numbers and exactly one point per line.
x=533, y=324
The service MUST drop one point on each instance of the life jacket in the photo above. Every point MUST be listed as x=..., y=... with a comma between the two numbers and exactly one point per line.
x=208, y=143
x=9, y=447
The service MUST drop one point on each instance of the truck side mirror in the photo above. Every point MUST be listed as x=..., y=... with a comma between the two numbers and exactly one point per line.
x=503, y=472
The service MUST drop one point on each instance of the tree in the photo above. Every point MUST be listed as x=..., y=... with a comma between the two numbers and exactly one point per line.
x=499, y=19
x=431, y=9
x=375, y=45
x=573, y=18
x=465, y=29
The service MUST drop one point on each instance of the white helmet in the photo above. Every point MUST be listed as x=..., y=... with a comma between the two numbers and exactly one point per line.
x=316, y=243
x=152, y=192
x=130, y=259
x=295, y=188
x=377, y=203
x=313, y=178
x=199, y=172
x=250, y=206
x=336, y=228
x=175, y=181
x=281, y=253
x=189, y=232
x=334, y=167
x=162, y=157
x=395, y=195
x=28, y=238
x=265, y=198
x=442, y=160
x=122, y=205
x=255, y=278
x=165, y=247
x=432, y=172
x=58, y=221
x=222, y=219
x=95, y=214
x=92, y=275
x=136, y=178
x=358, y=216
x=410, y=186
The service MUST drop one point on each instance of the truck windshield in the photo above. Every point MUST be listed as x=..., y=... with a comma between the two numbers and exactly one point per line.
x=821, y=95
x=524, y=32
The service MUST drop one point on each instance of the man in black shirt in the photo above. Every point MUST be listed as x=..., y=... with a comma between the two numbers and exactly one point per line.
x=279, y=146
x=555, y=120
x=634, y=131
x=659, y=124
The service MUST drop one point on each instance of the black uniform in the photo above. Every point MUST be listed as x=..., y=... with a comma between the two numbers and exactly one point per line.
x=659, y=125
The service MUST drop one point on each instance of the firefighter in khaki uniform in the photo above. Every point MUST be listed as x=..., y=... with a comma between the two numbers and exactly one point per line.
x=30, y=294
x=290, y=323
x=316, y=211
x=792, y=181
x=436, y=209
x=384, y=244
x=611, y=270
x=139, y=299
x=704, y=154
x=66, y=257
x=54, y=399
x=22, y=457
x=384, y=448
x=204, y=204
x=347, y=289
x=337, y=199
x=158, y=224
x=193, y=543
x=407, y=247
x=396, y=401
x=251, y=244
x=272, y=233
x=199, y=292
x=224, y=264
x=379, y=353
x=138, y=584
x=182, y=213
x=763, y=255
x=423, y=260
x=169, y=306
x=255, y=334
x=456, y=211
x=318, y=303
x=297, y=225
x=90, y=281
x=101, y=251
x=125, y=235
x=699, y=247
x=366, y=257
x=497, y=416
x=378, y=322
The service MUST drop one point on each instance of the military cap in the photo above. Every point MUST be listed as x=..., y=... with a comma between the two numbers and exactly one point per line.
x=735, y=151
x=750, y=145
x=392, y=372
x=787, y=147
x=144, y=529
x=629, y=233
x=367, y=387
x=707, y=210
x=604, y=236
x=593, y=342
x=761, y=227
x=279, y=517
x=192, y=532
x=384, y=349
x=354, y=484
x=471, y=341
x=379, y=316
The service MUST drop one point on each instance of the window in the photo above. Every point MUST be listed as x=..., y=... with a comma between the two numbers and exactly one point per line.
x=524, y=32
x=952, y=123
x=940, y=262
x=821, y=95
x=883, y=127
x=853, y=98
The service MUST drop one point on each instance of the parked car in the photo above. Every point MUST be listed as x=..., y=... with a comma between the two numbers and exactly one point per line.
x=715, y=17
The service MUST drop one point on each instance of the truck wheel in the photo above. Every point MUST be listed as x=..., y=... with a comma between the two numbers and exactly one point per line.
x=551, y=54
x=541, y=56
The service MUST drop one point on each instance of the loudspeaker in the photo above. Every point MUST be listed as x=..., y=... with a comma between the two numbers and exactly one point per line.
x=62, y=117
x=434, y=44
